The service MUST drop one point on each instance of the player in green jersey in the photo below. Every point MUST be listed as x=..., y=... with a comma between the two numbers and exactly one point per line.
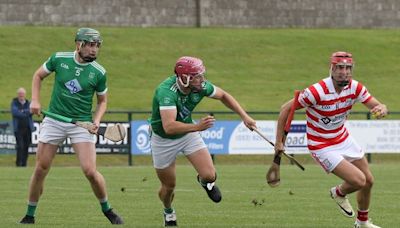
x=77, y=78
x=173, y=130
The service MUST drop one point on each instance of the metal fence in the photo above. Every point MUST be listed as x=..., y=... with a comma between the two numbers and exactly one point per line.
x=128, y=116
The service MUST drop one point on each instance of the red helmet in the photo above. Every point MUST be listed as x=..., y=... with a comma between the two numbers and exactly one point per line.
x=187, y=65
x=341, y=57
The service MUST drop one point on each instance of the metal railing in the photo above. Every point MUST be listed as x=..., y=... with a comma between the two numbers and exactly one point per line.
x=271, y=114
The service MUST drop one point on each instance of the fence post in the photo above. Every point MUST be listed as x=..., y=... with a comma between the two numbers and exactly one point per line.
x=130, y=162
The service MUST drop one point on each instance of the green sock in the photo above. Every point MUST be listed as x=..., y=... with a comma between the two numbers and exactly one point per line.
x=168, y=210
x=105, y=206
x=202, y=182
x=31, y=210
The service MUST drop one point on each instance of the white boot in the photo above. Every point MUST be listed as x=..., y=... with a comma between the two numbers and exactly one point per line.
x=343, y=203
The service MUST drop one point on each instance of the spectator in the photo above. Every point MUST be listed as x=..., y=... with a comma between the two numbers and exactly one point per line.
x=23, y=126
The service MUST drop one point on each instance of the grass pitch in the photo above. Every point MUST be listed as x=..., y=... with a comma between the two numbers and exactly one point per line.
x=260, y=67
x=302, y=200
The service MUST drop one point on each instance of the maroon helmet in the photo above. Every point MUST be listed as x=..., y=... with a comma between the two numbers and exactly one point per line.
x=187, y=67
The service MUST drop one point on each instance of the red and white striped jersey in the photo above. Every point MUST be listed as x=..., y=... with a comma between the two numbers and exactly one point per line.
x=327, y=111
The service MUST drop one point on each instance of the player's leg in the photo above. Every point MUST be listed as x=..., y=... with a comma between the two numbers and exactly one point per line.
x=86, y=153
x=364, y=194
x=44, y=157
x=202, y=162
x=164, y=152
x=354, y=179
x=50, y=136
x=197, y=153
x=167, y=177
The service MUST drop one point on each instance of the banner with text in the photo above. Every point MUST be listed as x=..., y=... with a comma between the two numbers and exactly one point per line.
x=7, y=138
x=376, y=136
x=228, y=137
x=232, y=137
x=103, y=145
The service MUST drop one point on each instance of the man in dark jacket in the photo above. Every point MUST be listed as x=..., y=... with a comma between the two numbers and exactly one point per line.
x=23, y=126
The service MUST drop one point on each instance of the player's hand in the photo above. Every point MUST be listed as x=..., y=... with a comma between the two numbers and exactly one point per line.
x=95, y=127
x=205, y=123
x=279, y=148
x=379, y=111
x=249, y=123
x=35, y=107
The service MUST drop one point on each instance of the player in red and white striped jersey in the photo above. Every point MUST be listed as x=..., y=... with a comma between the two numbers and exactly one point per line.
x=328, y=104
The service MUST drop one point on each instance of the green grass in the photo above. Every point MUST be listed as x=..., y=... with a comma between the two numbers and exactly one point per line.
x=67, y=160
x=67, y=200
x=260, y=67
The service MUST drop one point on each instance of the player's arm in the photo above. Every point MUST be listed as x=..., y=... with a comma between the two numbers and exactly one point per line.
x=282, y=118
x=230, y=102
x=173, y=127
x=38, y=76
x=376, y=108
x=101, y=108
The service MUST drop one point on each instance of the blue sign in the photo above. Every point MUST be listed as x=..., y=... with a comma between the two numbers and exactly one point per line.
x=228, y=137
x=140, y=138
x=218, y=137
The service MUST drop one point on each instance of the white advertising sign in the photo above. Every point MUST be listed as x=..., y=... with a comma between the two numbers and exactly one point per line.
x=376, y=136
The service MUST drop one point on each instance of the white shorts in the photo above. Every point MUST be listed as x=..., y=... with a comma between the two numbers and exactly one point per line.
x=331, y=156
x=164, y=151
x=55, y=132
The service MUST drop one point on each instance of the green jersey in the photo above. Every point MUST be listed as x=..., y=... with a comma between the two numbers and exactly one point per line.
x=74, y=86
x=168, y=96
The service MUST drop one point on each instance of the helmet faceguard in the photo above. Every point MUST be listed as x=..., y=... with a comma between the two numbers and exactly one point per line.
x=190, y=70
x=88, y=36
x=343, y=60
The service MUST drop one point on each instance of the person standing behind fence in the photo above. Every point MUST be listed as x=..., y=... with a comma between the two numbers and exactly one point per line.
x=78, y=77
x=23, y=126
x=328, y=104
x=174, y=130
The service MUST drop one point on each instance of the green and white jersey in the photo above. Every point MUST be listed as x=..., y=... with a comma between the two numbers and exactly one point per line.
x=74, y=86
x=168, y=96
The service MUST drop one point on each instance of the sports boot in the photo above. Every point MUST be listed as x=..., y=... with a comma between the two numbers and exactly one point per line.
x=27, y=220
x=343, y=203
x=170, y=219
x=212, y=190
x=368, y=224
x=113, y=217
